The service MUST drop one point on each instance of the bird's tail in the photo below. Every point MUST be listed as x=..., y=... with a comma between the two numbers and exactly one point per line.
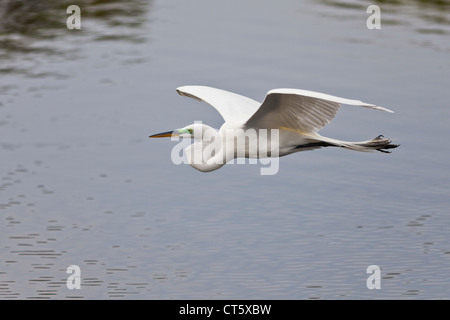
x=379, y=143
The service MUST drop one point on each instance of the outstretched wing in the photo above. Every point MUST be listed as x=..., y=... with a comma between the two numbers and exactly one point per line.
x=302, y=110
x=231, y=106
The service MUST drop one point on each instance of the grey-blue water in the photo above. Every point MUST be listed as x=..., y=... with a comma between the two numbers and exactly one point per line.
x=81, y=183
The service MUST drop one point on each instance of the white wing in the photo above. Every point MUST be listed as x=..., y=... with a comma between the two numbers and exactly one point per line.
x=231, y=106
x=302, y=110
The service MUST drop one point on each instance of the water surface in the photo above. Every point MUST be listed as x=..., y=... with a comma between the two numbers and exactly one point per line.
x=81, y=184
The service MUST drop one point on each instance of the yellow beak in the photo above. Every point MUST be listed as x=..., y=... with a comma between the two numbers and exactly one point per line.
x=165, y=134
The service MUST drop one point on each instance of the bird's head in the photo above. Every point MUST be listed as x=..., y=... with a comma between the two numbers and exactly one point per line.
x=193, y=131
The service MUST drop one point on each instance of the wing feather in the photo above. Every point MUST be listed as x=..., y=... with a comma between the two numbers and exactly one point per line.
x=303, y=110
x=231, y=106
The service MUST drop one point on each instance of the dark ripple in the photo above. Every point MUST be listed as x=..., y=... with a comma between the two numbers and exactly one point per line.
x=27, y=26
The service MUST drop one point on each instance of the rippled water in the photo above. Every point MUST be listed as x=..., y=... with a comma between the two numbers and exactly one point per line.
x=81, y=184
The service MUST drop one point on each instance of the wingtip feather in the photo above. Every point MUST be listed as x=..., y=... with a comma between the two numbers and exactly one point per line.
x=384, y=109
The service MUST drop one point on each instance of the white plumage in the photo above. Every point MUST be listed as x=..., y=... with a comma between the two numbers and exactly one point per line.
x=296, y=114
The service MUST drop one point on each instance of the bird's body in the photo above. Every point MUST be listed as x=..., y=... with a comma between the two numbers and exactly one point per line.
x=287, y=121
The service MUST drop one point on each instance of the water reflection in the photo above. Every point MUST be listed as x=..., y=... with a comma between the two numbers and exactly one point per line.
x=28, y=29
x=400, y=12
x=65, y=201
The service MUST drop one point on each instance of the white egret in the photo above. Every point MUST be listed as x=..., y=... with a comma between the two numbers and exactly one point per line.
x=296, y=115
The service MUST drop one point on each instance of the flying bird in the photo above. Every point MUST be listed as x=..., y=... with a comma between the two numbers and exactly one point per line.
x=287, y=121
